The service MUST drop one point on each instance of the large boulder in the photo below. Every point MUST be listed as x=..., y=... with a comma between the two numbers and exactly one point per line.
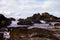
x=45, y=14
x=20, y=19
x=1, y=36
x=35, y=18
x=4, y=22
x=48, y=17
x=2, y=17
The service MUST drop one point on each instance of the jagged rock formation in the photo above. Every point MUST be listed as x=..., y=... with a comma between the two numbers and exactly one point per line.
x=4, y=22
x=45, y=16
x=35, y=18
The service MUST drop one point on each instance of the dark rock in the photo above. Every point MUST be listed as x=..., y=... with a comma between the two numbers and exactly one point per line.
x=57, y=24
x=12, y=19
x=48, y=17
x=25, y=22
x=1, y=36
x=45, y=16
x=58, y=19
x=20, y=19
x=4, y=22
x=2, y=17
x=35, y=18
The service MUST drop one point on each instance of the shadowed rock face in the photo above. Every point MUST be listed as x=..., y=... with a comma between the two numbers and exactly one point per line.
x=4, y=22
x=1, y=36
x=24, y=22
x=20, y=19
x=2, y=17
x=45, y=14
x=47, y=17
x=12, y=19
x=35, y=18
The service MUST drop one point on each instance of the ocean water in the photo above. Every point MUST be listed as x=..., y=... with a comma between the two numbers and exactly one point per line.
x=41, y=26
x=13, y=24
x=45, y=25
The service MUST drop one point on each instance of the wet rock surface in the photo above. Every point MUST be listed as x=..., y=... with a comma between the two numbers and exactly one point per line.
x=32, y=34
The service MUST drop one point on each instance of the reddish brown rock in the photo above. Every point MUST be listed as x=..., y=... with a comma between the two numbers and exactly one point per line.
x=57, y=24
x=48, y=17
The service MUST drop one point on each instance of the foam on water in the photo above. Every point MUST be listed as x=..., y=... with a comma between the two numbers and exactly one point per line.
x=41, y=26
x=13, y=24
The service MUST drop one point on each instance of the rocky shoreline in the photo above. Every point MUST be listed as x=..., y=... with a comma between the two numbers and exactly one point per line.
x=30, y=34
x=34, y=33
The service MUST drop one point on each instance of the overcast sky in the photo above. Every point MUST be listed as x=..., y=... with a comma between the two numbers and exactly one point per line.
x=24, y=8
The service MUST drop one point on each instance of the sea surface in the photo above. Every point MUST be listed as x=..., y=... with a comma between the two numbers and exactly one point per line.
x=45, y=25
